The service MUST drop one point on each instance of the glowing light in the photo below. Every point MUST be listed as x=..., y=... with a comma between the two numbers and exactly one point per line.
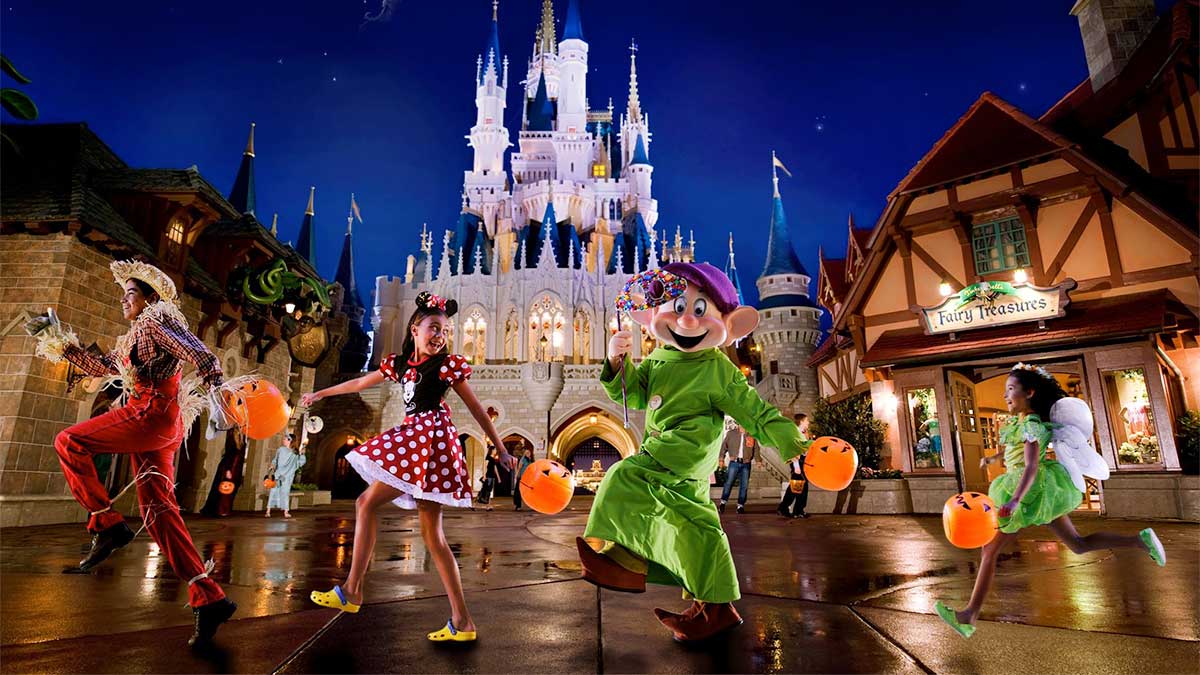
x=945, y=290
x=1020, y=277
x=592, y=419
x=889, y=402
x=289, y=307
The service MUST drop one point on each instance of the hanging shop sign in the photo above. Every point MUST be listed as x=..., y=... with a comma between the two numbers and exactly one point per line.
x=996, y=303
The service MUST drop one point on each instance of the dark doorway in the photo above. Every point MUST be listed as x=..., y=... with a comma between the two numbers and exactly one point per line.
x=347, y=484
x=589, y=451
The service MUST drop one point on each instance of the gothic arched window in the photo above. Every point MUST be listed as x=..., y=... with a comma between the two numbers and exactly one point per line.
x=546, y=330
x=475, y=338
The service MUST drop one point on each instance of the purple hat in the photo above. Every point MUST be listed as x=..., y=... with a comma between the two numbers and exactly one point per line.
x=710, y=280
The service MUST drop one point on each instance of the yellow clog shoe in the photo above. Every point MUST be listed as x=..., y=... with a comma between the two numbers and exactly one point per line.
x=451, y=634
x=334, y=598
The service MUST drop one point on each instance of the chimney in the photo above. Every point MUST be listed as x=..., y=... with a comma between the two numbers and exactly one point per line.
x=1112, y=30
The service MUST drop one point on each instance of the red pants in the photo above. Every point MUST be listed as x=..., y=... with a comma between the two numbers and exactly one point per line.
x=149, y=428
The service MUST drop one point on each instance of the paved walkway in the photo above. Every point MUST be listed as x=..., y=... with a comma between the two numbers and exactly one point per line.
x=828, y=594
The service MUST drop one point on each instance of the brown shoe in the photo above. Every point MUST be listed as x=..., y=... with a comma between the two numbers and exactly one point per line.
x=711, y=620
x=606, y=573
x=671, y=619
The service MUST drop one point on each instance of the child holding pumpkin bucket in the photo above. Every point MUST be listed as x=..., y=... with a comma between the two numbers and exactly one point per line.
x=652, y=509
x=1039, y=491
x=418, y=464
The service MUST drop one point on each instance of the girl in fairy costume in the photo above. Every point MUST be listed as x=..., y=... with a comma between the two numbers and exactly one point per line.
x=418, y=464
x=1035, y=490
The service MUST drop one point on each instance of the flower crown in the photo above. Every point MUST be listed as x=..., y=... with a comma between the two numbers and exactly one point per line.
x=1034, y=369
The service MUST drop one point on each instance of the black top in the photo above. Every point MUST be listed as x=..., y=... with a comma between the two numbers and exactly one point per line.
x=425, y=382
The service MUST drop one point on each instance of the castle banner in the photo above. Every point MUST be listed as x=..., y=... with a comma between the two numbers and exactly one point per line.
x=997, y=303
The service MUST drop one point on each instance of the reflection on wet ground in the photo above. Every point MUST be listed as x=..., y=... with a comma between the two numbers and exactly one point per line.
x=831, y=593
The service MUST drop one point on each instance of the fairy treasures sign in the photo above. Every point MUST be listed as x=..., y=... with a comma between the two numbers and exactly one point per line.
x=997, y=303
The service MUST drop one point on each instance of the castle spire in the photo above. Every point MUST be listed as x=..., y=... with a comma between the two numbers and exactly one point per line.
x=732, y=273
x=345, y=268
x=549, y=44
x=242, y=195
x=633, y=109
x=306, y=243
x=781, y=257
x=573, y=29
x=275, y=226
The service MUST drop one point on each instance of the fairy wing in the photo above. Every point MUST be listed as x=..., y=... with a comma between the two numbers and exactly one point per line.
x=1072, y=441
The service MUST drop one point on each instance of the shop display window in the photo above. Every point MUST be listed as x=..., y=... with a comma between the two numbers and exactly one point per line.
x=1131, y=417
x=924, y=434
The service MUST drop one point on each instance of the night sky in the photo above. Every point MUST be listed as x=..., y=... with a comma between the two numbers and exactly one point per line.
x=850, y=95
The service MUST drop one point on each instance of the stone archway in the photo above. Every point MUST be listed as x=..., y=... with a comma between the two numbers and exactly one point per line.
x=581, y=427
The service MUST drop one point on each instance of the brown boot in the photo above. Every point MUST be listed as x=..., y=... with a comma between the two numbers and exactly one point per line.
x=671, y=619
x=606, y=573
x=711, y=620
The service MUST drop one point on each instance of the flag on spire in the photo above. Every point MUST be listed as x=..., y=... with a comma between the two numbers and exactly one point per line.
x=776, y=161
x=354, y=208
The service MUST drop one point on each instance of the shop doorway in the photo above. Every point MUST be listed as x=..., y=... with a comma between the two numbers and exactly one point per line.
x=978, y=411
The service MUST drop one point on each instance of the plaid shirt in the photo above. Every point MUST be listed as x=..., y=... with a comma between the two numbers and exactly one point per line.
x=159, y=348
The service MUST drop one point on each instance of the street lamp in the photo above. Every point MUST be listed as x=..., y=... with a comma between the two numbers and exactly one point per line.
x=944, y=289
x=1020, y=277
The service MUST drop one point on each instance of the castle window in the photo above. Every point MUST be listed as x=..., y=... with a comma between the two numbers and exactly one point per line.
x=793, y=312
x=999, y=246
x=174, y=242
x=774, y=367
x=475, y=338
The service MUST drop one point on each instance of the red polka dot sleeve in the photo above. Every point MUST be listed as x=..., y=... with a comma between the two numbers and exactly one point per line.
x=454, y=370
x=387, y=367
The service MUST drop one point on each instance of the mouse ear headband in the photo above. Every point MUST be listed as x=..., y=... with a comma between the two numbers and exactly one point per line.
x=427, y=300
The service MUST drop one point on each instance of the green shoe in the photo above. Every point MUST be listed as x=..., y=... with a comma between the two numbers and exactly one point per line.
x=1154, y=546
x=964, y=629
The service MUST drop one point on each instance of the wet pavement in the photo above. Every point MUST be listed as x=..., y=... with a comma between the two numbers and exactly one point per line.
x=827, y=594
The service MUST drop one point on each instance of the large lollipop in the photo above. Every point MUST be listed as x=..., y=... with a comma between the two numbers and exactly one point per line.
x=647, y=290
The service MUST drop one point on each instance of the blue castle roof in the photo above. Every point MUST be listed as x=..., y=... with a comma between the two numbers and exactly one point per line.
x=573, y=28
x=639, y=152
x=781, y=257
x=541, y=111
x=634, y=243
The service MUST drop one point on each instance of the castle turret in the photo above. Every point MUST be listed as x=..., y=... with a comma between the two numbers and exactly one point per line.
x=789, y=321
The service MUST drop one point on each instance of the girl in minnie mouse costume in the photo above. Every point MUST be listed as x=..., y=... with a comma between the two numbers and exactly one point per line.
x=418, y=464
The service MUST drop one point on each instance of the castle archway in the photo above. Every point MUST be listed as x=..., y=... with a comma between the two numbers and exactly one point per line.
x=592, y=423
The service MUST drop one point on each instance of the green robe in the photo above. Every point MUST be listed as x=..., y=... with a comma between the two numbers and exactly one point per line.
x=656, y=503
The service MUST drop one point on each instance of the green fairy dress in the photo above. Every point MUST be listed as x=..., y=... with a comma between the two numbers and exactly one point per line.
x=1052, y=494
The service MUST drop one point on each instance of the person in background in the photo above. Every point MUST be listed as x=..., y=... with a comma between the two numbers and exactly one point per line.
x=491, y=478
x=522, y=464
x=284, y=467
x=740, y=450
x=793, y=503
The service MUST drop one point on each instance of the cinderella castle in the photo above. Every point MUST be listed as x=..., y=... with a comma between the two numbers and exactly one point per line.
x=543, y=244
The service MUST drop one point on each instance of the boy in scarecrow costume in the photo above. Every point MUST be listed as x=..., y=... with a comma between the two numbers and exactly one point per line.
x=652, y=509
x=150, y=423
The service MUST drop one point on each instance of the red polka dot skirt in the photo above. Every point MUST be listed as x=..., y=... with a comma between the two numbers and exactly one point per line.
x=422, y=458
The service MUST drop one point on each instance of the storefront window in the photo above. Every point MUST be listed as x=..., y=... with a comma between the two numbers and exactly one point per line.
x=1132, y=420
x=924, y=434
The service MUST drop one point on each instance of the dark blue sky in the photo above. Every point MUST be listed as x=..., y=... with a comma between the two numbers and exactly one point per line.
x=850, y=94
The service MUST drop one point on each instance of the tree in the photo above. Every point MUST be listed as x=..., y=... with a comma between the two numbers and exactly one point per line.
x=853, y=421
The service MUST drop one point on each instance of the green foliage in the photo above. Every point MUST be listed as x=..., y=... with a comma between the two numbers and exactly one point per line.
x=303, y=487
x=852, y=421
x=15, y=101
x=1188, y=442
